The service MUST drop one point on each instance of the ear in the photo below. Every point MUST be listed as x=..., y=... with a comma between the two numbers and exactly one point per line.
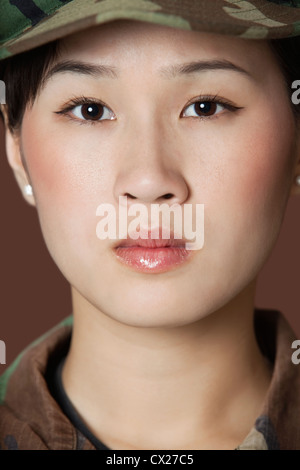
x=14, y=156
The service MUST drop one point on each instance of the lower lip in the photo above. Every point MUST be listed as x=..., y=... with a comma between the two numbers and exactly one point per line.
x=152, y=260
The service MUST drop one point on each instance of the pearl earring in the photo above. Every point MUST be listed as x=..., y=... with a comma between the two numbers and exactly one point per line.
x=28, y=190
x=297, y=180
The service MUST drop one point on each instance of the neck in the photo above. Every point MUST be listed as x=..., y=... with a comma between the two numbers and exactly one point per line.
x=167, y=387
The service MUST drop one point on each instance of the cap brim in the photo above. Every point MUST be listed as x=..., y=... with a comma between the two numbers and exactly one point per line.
x=254, y=20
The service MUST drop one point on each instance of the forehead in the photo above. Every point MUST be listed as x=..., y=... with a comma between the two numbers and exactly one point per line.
x=125, y=41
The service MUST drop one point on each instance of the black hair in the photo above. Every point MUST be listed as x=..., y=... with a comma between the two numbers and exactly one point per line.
x=23, y=74
x=23, y=77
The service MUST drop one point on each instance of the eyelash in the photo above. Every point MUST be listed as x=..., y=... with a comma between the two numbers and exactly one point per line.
x=228, y=105
x=77, y=102
x=204, y=98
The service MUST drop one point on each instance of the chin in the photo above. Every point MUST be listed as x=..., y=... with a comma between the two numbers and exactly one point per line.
x=155, y=314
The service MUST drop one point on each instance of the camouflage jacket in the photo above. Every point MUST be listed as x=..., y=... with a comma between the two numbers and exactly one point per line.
x=30, y=418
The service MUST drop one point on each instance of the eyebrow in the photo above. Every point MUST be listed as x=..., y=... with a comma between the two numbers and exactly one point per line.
x=189, y=68
x=170, y=71
x=83, y=68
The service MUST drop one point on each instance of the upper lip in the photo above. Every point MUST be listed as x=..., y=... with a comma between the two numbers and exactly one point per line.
x=149, y=242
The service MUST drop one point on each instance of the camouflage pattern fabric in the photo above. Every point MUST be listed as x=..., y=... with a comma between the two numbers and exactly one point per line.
x=26, y=24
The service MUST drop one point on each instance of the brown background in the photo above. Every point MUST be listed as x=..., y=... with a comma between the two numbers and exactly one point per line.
x=35, y=296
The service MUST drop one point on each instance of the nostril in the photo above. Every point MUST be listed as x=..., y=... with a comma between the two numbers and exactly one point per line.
x=130, y=196
x=164, y=196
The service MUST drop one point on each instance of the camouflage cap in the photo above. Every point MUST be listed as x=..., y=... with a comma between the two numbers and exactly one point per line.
x=26, y=24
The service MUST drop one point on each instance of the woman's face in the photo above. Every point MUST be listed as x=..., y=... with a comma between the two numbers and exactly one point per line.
x=236, y=157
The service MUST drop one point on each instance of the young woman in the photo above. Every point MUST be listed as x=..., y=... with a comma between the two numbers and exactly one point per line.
x=165, y=348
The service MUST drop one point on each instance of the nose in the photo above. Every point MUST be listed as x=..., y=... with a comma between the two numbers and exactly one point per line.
x=149, y=170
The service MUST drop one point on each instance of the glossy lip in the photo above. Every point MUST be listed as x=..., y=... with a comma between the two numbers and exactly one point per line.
x=152, y=255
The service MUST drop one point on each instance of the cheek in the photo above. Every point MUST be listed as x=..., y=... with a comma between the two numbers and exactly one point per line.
x=262, y=176
x=243, y=173
x=244, y=163
x=70, y=181
x=258, y=186
x=61, y=166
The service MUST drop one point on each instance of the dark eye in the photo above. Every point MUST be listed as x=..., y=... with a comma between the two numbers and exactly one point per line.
x=203, y=109
x=92, y=112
